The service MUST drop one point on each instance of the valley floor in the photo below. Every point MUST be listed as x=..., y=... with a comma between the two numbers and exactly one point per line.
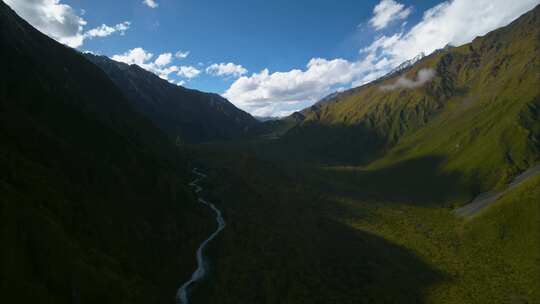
x=317, y=234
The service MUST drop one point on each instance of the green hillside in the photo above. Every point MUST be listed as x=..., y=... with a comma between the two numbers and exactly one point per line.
x=479, y=114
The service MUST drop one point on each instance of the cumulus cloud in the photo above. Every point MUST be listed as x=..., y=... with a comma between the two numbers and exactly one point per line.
x=181, y=54
x=142, y=58
x=60, y=21
x=424, y=75
x=452, y=22
x=264, y=90
x=387, y=11
x=135, y=56
x=163, y=59
x=105, y=30
x=188, y=72
x=161, y=66
x=53, y=18
x=226, y=69
x=150, y=3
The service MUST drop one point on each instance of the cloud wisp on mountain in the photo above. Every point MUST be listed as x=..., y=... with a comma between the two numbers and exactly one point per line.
x=424, y=75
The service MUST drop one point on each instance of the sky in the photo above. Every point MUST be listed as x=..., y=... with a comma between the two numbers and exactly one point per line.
x=269, y=58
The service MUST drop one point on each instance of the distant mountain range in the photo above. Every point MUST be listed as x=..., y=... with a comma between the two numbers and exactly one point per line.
x=184, y=115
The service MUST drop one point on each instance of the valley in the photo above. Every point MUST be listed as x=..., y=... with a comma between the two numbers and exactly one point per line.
x=361, y=209
x=119, y=185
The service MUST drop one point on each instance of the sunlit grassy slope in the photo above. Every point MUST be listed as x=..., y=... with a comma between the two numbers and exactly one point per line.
x=491, y=258
x=479, y=114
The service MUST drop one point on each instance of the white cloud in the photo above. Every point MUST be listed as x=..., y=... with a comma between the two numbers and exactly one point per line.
x=424, y=75
x=105, y=30
x=142, y=58
x=60, y=21
x=188, y=72
x=163, y=59
x=150, y=3
x=135, y=56
x=161, y=66
x=263, y=91
x=181, y=54
x=168, y=70
x=452, y=22
x=226, y=69
x=53, y=18
x=387, y=11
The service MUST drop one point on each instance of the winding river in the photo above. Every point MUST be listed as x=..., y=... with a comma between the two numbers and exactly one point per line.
x=200, y=272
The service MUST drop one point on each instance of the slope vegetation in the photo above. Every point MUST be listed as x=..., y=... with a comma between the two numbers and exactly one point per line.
x=94, y=205
x=479, y=112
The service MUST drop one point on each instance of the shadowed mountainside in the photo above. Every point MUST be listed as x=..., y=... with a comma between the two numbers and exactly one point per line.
x=187, y=116
x=94, y=204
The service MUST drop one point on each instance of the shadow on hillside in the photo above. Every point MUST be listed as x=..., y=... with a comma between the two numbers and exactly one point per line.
x=331, y=145
x=365, y=268
x=284, y=244
x=334, y=264
x=415, y=181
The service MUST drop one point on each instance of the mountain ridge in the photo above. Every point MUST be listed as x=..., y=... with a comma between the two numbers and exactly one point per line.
x=94, y=203
x=185, y=115
x=472, y=85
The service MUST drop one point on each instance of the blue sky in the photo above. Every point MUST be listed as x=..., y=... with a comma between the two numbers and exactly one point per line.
x=267, y=57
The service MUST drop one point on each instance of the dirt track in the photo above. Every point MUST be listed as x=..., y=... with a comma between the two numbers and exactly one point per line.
x=485, y=199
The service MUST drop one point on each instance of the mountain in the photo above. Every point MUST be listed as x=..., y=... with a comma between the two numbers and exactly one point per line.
x=405, y=65
x=277, y=127
x=94, y=203
x=183, y=114
x=476, y=108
